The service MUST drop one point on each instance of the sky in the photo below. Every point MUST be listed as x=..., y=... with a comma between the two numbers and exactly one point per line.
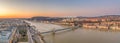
x=58, y=8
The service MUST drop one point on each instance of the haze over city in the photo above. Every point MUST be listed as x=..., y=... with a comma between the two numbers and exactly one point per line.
x=59, y=21
x=58, y=8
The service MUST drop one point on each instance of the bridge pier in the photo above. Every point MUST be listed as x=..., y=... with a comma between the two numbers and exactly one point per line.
x=53, y=31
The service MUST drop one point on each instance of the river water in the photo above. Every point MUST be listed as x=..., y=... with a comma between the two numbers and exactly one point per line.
x=79, y=35
x=83, y=36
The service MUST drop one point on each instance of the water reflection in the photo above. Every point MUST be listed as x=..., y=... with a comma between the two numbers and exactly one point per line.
x=83, y=36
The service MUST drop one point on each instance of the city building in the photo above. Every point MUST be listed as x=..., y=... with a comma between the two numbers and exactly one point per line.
x=5, y=36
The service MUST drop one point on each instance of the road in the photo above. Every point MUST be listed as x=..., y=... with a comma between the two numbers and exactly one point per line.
x=34, y=36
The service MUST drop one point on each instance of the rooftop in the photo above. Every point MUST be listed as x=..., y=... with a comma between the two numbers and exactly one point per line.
x=4, y=35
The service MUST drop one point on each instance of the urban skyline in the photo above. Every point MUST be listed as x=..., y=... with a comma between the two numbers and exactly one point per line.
x=59, y=21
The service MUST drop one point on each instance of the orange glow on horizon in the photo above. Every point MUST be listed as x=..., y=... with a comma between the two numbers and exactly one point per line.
x=17, y=16
x=20, y=13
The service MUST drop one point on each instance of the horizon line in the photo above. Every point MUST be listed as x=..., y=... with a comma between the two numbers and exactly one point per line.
x=57, y=16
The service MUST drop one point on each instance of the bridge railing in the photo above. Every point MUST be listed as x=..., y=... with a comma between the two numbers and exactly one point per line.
x=72, y=28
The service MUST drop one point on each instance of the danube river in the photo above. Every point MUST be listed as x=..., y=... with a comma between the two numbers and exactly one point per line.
x=83, y=36
x=79, y=35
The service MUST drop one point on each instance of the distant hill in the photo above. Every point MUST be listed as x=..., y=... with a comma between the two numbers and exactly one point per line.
x=41, y=18
x=110, y=16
